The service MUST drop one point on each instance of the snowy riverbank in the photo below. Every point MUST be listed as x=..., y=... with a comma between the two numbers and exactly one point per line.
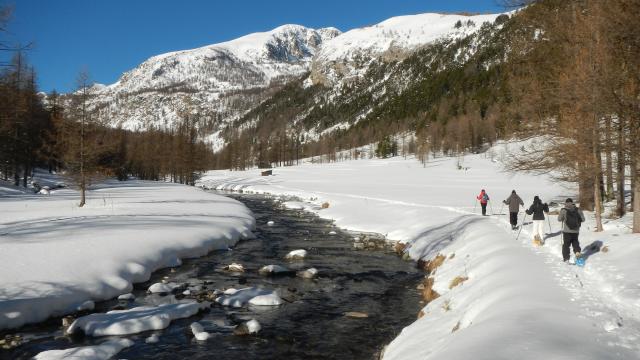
x=518, y=301
x=56, y=256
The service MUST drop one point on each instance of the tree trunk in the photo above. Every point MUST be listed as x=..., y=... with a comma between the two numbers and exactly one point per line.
x=620, y=169
x=609, y=161
x=636, y=199
x=585, y=187
x=597, y=196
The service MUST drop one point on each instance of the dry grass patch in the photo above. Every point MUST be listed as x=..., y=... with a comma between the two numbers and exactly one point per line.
x=420, y=314
x=605, y=249
x=431, y=265
x=399, y=248
x=428, y=294
x=457, y=281
x=446, y=306
x=325, y=205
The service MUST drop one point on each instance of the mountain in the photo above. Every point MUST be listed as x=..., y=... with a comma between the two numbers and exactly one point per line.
x=404, y=74
x=218, y=82
x=316, y=80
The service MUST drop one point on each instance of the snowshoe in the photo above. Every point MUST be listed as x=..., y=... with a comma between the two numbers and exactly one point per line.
x=537, y=241
x=580, y=260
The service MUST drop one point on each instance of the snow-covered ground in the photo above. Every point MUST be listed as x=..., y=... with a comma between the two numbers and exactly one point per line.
x=519, y=301
x=55, y=256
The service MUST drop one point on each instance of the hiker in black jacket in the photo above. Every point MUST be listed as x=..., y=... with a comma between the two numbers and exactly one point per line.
x=514, y=201
x=538, y=209
x=571, y=217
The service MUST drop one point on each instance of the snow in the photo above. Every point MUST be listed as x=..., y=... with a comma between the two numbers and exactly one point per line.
x=135, y=320
x=104, y=351
x=519, y=301
x=55, y=255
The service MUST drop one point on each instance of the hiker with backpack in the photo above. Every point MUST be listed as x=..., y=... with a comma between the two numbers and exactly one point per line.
x=514, y=201
x=538, y=209
x=484, y=199
x=571, y=217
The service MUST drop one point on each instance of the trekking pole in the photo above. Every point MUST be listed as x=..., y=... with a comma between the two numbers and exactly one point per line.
x=474, y=206
x=491, y=206
x=521, y=226
x=549, y=220
x=501, y=208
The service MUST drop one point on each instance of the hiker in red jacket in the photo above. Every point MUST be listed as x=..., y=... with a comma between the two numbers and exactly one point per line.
x=484, y=199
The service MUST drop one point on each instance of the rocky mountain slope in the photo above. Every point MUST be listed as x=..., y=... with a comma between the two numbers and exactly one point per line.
x=217, y=82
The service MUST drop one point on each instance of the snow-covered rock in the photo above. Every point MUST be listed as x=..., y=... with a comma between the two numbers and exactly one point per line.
x=308, y=273
x=247, y=328
x=234, y=267
x=128, y=296
x=136, y=320
x=162, y=288
x=153, y=339
x=104, y=351
x=240, y=297
x=86, y=306
x=198, y=332
x=274, y=270
x=267, y=300
x=296, y=254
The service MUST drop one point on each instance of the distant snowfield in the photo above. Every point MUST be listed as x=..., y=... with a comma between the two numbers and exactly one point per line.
x=519, y=301
x=55, y=256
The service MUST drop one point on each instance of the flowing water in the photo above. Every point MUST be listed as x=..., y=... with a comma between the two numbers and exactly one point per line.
x=311, y=324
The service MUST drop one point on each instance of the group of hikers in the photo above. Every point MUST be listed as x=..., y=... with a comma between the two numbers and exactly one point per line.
x=570, y=215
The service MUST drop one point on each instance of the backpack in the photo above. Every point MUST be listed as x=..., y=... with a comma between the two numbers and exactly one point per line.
x=573, y=219
x=485, y=197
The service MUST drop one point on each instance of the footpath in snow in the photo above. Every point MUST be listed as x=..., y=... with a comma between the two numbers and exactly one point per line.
x=57, y=258
x=513, y=300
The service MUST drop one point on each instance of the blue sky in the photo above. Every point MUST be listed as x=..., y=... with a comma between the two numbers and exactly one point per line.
x=108, y=37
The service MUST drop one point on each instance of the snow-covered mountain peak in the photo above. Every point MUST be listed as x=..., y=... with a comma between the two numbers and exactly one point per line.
x=398, y=34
